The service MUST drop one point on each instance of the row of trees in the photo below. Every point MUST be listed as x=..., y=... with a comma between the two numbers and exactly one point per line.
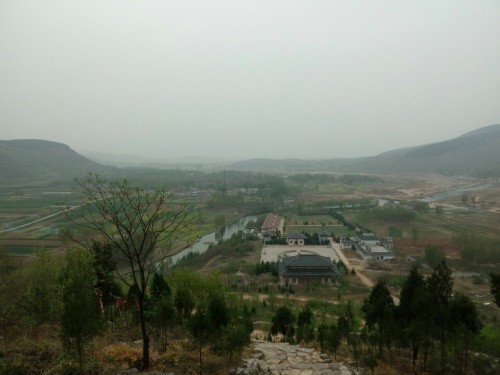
x=181, y=180
x=55, y=291
x=70, y=294
x=303, y=329
x=309, y=239
x=126, y=232
x=431, y=326
x=429, y=315
x=199, y=304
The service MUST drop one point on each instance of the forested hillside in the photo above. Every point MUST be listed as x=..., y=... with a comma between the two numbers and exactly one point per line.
x=33, y=159
x=472, y=154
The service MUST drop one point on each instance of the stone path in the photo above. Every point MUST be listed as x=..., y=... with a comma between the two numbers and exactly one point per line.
x=285, y=359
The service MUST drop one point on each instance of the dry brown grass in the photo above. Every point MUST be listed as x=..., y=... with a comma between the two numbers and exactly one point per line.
x=119, y=353
x=181, y=357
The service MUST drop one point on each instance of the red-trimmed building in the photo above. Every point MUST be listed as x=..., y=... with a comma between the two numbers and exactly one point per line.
x=295, y=239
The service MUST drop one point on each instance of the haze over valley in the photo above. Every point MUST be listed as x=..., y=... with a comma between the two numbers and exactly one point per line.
x=474, y=154
x=237, y=81
x=229, y=187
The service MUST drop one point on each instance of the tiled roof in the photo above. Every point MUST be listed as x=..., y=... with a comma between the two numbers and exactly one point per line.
x=308, y=260
x=295, y=236
x=308, y=265
x=272, y=221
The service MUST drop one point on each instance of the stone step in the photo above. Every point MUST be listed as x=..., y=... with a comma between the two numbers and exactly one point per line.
x=285, y=359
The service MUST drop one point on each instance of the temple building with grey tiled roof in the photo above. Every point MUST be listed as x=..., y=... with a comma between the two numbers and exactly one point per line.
x=303, y=269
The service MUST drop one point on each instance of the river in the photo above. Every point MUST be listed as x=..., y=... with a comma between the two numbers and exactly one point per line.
x=455, y=192
x=202, y=244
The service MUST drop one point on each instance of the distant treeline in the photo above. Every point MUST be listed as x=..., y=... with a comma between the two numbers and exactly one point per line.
x=342, y=219
x=317, y=178
x=177, y=179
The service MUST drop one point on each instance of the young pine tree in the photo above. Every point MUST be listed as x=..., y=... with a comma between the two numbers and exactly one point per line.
x=81, y=317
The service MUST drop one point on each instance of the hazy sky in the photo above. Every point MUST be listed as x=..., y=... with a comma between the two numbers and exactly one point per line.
x=243, y=79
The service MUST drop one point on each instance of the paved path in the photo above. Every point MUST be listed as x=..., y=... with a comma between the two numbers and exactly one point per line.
x=41, y=219
x=272, y=253
x=285, y=359
x=338, y=253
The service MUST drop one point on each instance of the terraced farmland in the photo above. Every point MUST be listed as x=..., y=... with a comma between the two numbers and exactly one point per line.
x=30, y=218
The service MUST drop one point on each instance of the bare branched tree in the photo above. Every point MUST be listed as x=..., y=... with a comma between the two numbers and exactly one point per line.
x=141, y=226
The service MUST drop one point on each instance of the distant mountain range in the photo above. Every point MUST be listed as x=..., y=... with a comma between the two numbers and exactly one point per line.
x=476, y=153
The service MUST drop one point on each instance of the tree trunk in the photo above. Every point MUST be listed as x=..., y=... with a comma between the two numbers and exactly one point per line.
x=443, y=352
x=466, y=359
x=380, y=344
x=145, y=351
x=390, y=356
x=415, y=352
x=426, y=354
x=145, y=337
x=79, y=348
x=201, y=364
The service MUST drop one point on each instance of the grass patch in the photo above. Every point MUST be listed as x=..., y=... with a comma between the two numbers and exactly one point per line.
x=312, y=219
x=394, y=281
x=20, y=249
x=337, y=230
x=395, y=232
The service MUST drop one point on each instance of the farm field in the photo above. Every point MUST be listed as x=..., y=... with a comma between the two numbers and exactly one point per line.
x=338, y=230
x=314, y=224
x=237, y=260
x=29, y=217
x=311, y=220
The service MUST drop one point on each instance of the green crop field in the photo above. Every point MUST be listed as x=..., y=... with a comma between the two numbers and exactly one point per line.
x=315, y=224
x=26, y=205
x=23, y=249
x=311, y=220
x=337, y=230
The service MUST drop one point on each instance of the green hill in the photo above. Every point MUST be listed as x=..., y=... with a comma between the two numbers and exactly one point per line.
x=476, y=153
x=33, y=159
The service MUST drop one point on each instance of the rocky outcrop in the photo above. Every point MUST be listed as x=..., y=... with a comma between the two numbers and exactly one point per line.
x=285, y=359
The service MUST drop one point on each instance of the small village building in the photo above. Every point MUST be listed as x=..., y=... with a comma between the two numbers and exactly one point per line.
x=387, y=243
x=295, y=239
x=303, y=269
x=370, y=247
x=373, y=252
x=346, y=243
x=367, y=239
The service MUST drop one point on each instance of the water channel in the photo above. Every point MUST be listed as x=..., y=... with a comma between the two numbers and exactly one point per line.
x=455, y=192
x=202, y=244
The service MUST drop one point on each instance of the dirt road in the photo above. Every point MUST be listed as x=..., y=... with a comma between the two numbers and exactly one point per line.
x=359, y=267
